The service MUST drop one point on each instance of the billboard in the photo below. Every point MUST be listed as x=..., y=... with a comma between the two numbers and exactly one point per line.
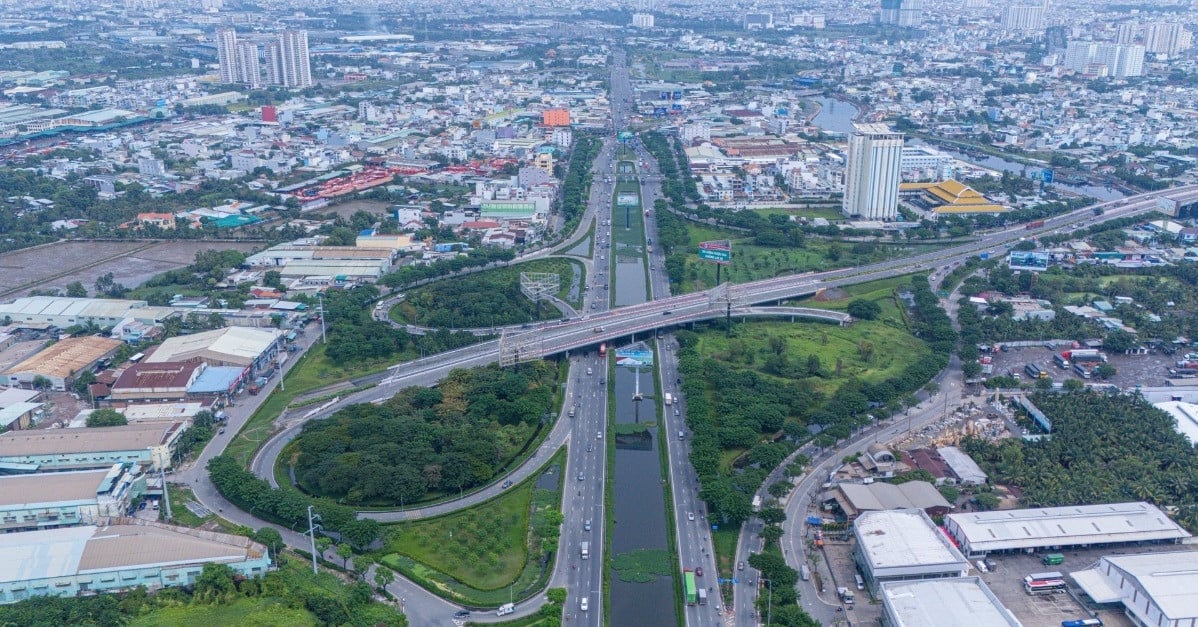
x=718, y=251
x=636, y=356
x=1028, y=260
x=628, y=199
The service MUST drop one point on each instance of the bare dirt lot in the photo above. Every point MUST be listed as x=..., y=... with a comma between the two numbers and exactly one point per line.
x=131, y=263
x=348, y=208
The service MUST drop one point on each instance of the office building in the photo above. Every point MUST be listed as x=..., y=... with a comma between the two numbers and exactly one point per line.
x=642, y=20
x=121, y=554
x=943, y=603
x=904, y=13
x=1103, y=58
x=873, y=172
x=1023, y=18
x=904, y=544
x=288, y=62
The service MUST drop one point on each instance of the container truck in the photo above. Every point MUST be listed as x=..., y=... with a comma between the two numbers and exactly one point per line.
x=702, y=596
x=692, y=595
x=1035, y=224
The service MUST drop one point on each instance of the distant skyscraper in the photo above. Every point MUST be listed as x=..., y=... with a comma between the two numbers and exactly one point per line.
x=1023, y=18
x=905, y=13
x=642, y=20
x=890, y=12
x=1166, y=38
x=1120, y=61
x=226, y=54
x=273, y=54
x=873, y=172
x=1055, y=38
x=248, y=69
x=288, y=64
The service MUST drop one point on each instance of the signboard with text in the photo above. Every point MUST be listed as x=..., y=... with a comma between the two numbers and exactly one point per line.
x=636, y=356
x=718, y=251
x=1028, y=260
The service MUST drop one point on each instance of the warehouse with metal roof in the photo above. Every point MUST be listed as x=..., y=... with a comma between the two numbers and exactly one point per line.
x=63, y=312
x=123, y=553
x=1154, y=588
x=855, y=498
x=150, y=443
x=230, y=346
x=65, y=499
x=979, y=533
x=904, y=544
x=943, y=603
x=61, y=361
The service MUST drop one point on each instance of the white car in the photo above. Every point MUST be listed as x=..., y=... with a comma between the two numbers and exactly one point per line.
x=583, y=605
x=599, y=435
x=690, y=516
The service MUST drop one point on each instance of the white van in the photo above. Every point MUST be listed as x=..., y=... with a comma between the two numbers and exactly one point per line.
x=505, y=609
x=583, y=605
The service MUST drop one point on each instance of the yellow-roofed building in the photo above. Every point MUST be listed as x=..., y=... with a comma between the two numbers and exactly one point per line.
x=950, y=197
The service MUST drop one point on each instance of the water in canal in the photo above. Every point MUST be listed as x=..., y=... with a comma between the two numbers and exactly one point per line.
x=638, y=506
x=835, y=116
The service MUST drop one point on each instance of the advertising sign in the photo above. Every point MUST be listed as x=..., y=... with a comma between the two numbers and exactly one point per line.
x=635, y=356
x=1028, y=260
x=718, y=251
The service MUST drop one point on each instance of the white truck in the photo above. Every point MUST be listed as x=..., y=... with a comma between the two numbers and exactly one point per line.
x=702, y=596
x=505, y=609
x=669, y=399
x=586, y=550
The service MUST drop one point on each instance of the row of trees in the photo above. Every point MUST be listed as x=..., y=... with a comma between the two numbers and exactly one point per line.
x=491, y=298
x=411, y=274
x=578, y=178
x=287, y=507
x=426, y=440
x=1104, y=449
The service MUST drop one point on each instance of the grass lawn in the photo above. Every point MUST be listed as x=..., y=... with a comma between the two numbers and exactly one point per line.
x=182, y=495
x=313, y=372
x=267, y=612
x=893, y=348
x=724, y=541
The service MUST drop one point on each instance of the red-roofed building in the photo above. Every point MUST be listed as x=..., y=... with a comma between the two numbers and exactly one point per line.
x=480, y=225
x=164, y=221
x=158, y=381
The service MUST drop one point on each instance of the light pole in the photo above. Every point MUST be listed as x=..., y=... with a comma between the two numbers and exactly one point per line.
x=320, y=300
x=312, y=537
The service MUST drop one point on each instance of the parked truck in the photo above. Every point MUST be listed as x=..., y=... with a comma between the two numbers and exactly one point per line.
x=846, y=596
x=586, y=550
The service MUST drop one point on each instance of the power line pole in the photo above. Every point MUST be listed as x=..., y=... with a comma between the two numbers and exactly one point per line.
x=320, y=299
x=312, y=538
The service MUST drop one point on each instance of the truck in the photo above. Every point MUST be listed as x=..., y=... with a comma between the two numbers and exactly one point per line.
x=669, y=399
x=505, y=609
x=586, y=550
x=846, y=596
x=1053, y=559
x=1034, y=224
x=688, y=579
x=805, y=573
x=702, y=596
x=1084, y=355
x=756, y=502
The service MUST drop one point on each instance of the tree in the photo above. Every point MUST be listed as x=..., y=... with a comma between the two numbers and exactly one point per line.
x=1106, y=370
x=345, y=551
x=772, y=515
x=986, y=501
x=106, y=418
x=1073, y=385
x=270, y=537
x=75, y=289
x=214, y=581
x=383, y=576
x=771, y=534
x=41, y=383
x=1118, y=341
x=971, y=369
x=864, y=309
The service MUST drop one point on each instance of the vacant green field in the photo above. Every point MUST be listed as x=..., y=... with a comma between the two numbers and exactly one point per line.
x=723, y=541
x=870, y=350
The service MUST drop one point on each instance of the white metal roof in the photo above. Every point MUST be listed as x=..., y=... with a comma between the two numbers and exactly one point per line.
x=945, y=603
x=1168, y=579
x=1055, y=526
x=237, y=345
x=962, y=465
x=73, y=307
x=1185, y=415
x=42, y=554
x=905, y=537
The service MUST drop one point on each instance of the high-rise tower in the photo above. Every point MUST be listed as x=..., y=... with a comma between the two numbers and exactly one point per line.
x=873, y=172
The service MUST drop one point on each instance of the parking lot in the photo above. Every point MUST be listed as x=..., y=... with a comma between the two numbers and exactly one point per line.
x=1006, y=581
x=1148, y=370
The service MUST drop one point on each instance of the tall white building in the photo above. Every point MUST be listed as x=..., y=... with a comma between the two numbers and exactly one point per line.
x=1120, y=60
x=1023, y=18
x=226, y=54
x=248, y=69
x=291, y=66
x=642, y=20
x=1166, y=38
x=873, y=172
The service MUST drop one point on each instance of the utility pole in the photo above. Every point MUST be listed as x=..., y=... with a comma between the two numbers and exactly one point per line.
x=312, y=538
x=166, y=496
x=320, y=299
x=769, y=604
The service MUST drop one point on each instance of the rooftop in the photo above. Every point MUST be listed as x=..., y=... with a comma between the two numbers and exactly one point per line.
x=21, y=308
x=34, y=555
x=1169, y=579
x=945, y=603
x=237, y=345
x=879, y=496
x=905, y=537
x=85, y=440
x=158, y=376
x=66, y=357
x=1185, y=415
x=50, y=487
x=962, y=464
x=1076, y=524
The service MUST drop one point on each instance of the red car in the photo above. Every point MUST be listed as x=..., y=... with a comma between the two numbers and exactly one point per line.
x=698, y=571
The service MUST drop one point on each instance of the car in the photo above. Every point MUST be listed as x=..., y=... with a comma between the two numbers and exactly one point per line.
x=221, y=432
x=667, y=312
x=580, y=477
x=590, y=371
x=590, y=447
x=461, y=614
x=599, y=435
x=740, y=566
x=690, y=516
x=586, y=526
x=676, y=412
x=583, y=605
x=698, y=571
x=507, y=484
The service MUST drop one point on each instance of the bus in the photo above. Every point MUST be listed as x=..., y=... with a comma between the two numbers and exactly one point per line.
x=691, y=593
x=1082, y=622
x=1052, y=574
x=1035, y=372
x=1044, y=586
x=603, y=349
